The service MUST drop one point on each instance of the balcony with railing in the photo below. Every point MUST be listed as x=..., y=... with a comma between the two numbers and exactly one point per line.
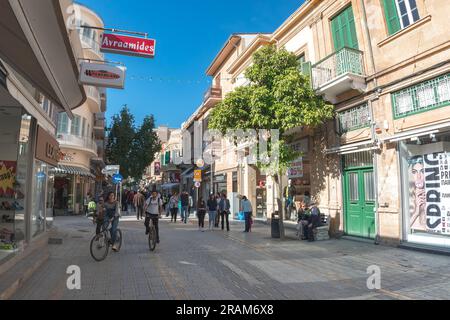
x=99, y=125
x=340, y=72
x=67, y=140
x=212, y=96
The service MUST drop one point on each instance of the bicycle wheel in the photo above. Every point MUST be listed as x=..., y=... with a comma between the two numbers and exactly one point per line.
x=119, y=239
x=99, y=247
x=152, y=238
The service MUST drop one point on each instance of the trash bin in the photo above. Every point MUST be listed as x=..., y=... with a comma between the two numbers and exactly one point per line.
x=275, y=227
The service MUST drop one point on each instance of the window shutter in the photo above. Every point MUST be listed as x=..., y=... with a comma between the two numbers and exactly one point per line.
x=392, y=19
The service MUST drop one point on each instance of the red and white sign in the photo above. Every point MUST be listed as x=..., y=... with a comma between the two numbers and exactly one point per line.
x=127, y=45
x=102, y=75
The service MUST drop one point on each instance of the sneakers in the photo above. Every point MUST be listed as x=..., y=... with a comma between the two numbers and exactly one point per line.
x=114, y=248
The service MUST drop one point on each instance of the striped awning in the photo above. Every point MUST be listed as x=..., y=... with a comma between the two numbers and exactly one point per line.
x=62, y=169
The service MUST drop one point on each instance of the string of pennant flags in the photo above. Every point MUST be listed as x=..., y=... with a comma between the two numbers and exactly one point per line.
x=177, y=80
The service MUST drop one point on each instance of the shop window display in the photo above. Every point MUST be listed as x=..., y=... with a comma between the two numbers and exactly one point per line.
x=13, y=190
x=426, y=194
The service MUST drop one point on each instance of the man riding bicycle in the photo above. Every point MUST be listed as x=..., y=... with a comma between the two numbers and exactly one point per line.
x=153, y=209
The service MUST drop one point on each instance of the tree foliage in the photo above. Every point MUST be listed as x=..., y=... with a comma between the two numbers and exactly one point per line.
x=130, y=147
x=279, y=97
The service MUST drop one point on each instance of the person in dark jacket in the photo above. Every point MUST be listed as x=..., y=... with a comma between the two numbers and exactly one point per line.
x=224, y=210
x=212, y=211
x=184, y=197
x=201, y=212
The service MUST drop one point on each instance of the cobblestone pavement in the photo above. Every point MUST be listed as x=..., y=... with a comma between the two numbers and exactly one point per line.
x=217, y=265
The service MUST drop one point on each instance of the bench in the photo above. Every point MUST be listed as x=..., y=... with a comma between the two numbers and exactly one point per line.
x=322, y=232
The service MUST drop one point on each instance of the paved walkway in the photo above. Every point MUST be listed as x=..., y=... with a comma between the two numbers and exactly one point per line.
x=189, y=264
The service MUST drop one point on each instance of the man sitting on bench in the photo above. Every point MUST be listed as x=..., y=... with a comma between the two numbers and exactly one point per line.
x=312, y=222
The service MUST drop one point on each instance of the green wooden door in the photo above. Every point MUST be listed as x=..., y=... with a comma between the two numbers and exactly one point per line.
x=359, y=194
x=344, y=31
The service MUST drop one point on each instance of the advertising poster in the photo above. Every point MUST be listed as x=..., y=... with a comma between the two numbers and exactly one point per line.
x=430, y=193
x=7, y=178
x=157, y=168
x=296, y=169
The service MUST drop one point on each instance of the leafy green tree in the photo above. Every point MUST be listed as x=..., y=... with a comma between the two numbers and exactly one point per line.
x=279, y=96
x=130, y=147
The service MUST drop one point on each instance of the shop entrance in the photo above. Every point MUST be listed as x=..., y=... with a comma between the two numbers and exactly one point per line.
x=359, y=201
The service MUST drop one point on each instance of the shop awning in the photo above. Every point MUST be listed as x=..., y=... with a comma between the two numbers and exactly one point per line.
x=189, y=173
x=62, y=169
x=170, y=185
x=36, y=43
x=416, y=133
x=353, y=148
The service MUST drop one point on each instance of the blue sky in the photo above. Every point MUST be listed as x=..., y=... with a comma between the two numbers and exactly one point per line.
x=188, y=36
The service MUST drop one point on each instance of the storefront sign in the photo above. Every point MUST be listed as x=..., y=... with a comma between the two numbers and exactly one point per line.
x=296, y=169
x=47, y=148
x=127, y=45
x=102, y=75
x=430, y=193
x=198, y=175
x=7, y=178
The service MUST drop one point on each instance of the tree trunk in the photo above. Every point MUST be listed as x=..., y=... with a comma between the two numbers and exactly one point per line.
x=280, y=205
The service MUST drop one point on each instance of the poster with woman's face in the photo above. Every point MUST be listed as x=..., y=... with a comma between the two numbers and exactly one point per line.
x=417, y=193
x=429, y=191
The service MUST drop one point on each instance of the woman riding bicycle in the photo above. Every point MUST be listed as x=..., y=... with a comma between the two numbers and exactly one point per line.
x=112, y=214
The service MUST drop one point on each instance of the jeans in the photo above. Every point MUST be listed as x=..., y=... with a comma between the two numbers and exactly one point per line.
x=224, y=216
x=247, y=216
x=155, y=219
x=184, y=213
x=114, y=225
x=212, y=219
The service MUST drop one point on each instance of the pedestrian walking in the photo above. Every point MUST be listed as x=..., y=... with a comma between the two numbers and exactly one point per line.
x=138, y=202
x=246, y=207
x=173, y=207
x=212, y=211
x=184, y=206
x=153, y=209
x=217, y=221
x=130, y=199
x=125, y=201
x=224, y=209
x=201, y=212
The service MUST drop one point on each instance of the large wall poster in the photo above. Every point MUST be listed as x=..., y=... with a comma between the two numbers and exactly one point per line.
x=429, y=177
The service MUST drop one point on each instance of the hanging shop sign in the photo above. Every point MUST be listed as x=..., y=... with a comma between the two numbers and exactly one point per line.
x=47, y=148
x=127, y=45
x=7, y=178
x=429, y=177
x=296, y=169
x=102, y=75
x=198, y=175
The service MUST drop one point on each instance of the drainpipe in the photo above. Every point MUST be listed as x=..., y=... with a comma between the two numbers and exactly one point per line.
x=373, y=123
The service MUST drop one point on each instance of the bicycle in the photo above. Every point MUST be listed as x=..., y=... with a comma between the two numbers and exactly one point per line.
x=152, y=238
x=101, y=242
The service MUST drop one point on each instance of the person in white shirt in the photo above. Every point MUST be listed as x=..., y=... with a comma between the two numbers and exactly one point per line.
x=153, y=209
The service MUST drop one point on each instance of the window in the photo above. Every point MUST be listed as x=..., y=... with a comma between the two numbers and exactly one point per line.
x=400, y=14
x=353, y=187
x=46, y=105
x=369, y=186
x=431, y=94
x=354, y=118
x=63, y=123
x=75, y=128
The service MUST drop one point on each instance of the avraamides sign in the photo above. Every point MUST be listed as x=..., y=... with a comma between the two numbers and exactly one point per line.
x=134, y=46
